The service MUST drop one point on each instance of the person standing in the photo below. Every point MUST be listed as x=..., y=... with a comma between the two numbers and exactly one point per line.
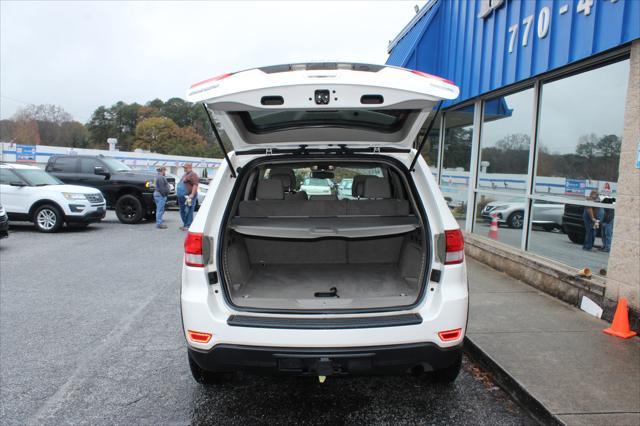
x=160, y=196
x=607, y=225
x=190, y=181
x=591, y=217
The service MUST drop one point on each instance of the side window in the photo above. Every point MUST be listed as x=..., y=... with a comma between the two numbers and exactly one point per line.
x=64, y=164
x=7, y=176
x=87, y=165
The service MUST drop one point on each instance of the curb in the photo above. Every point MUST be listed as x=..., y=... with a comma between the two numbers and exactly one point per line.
x=510, y=385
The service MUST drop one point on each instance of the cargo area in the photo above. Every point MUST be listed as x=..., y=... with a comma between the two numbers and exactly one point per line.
x=289, y=249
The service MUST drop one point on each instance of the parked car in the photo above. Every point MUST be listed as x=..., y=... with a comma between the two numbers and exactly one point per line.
x=4, y=223
x=283, y=284
x=28, y=193
x=546, y=214
x=202, y=192
x=316, y=186
x=573, y=222
x=344, y=190
x=129, y=192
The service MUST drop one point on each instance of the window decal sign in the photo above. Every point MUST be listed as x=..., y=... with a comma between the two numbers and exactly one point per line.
x=575, y=186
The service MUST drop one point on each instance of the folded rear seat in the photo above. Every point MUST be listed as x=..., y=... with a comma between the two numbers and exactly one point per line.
x=377, y=200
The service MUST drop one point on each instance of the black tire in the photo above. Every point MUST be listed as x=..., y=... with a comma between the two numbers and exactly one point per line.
x=129, y=209
x=575, y=237
x=448, y=374
x=515, y=220
x=205, y=377
x=48, y=218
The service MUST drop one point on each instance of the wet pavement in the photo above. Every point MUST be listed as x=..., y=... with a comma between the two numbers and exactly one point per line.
x=90, y=333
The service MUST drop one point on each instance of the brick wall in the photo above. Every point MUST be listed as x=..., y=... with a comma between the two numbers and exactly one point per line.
x=624, y=261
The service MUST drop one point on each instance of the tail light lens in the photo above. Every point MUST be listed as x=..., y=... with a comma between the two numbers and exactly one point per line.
x=455, y=247
x=193, y=250
x=449, y=335
x=209, y=80
x=424, y=74
x=199, y=336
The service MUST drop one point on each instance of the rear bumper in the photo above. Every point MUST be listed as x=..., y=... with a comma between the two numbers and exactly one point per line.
x=375, y=360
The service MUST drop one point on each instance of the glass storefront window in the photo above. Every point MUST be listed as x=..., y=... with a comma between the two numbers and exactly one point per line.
x=456, y=160
x=584, y=242
x=580, y=132
x=505, y=141
x=509, y=212
x=430, y=151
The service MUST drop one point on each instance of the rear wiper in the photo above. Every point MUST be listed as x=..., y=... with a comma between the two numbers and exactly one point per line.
x=42, y=184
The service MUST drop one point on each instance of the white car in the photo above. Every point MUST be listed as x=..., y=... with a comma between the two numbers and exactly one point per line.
x=545, y=214
x=28, y=193
x=316, y=186
x=277, y=283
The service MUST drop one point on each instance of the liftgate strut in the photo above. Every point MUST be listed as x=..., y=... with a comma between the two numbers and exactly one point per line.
x=424, y=138
x=217, y=135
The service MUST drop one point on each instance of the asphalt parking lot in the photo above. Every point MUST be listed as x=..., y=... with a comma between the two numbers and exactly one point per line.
x=90, y=333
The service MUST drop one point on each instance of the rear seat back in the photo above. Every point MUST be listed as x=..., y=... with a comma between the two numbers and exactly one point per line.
x=271, y=201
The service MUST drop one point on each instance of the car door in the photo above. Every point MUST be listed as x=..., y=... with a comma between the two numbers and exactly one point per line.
x=86, y=173
x=65, y=169
x=14, y=199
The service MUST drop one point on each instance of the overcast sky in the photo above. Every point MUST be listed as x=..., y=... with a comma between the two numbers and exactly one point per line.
x=81, y=55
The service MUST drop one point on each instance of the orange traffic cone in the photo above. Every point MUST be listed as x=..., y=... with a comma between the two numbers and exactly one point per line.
x=493, y=229
x=620, y=325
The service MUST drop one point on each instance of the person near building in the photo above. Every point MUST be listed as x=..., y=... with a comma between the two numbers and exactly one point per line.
x=592, y=217
x=160, y=196
x=190, y=181
x=607, y=225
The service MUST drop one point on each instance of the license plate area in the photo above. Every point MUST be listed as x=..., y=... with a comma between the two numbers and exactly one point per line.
x=324, y=365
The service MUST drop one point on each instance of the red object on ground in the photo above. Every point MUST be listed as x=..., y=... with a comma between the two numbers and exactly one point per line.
x=620, y=325
x=493, y=229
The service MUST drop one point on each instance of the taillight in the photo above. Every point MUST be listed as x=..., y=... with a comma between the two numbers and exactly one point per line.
x=199, y=336
x=193, y=250
x=455, y=247
x=424, y=74
x=209, y=80
x=449, y=335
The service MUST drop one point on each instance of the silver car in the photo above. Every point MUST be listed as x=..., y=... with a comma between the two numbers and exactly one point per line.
x=546, y=214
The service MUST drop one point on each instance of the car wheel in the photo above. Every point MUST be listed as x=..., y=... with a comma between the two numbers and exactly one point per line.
x=129, y=209
x=575, y=237
x=515, y=220
x=205, y=377
x=47, y=218
x=447, y=374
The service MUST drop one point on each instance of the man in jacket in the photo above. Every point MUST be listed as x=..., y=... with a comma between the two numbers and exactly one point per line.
x=190, y=180
x=160, y=196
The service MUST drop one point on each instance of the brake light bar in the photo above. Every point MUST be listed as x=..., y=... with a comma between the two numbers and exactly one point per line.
x=193, y=250
x=209, y=80
x=454, y=247
x=424, y=74
x=199, y=336
x=449, y=335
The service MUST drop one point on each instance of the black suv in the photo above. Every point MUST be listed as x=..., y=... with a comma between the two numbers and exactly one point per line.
x=573, y=223
x=129, y=192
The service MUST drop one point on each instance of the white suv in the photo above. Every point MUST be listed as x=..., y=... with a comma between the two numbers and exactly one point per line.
x=29, y=193
x=275, y=281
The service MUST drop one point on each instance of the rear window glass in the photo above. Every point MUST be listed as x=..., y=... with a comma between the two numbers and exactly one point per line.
x=388, y=120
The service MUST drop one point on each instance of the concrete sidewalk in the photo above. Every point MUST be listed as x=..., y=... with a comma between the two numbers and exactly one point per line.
x=552, y=356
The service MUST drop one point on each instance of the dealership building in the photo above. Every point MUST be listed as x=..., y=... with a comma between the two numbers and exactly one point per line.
x=546, y=129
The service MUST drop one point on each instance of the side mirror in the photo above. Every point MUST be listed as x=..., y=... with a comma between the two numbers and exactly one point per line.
x=17, y=183
x=98, y=170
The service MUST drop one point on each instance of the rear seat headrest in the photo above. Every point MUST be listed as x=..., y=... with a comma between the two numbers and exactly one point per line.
x=357, y=186
x=376, y=187
x=286, y=176
x=269, y=189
